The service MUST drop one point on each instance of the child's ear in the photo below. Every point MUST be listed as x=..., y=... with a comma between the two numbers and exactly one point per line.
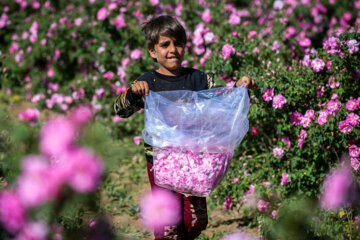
x=152, y=53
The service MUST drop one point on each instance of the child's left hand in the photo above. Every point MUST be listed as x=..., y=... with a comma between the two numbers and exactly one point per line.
x=250, y=84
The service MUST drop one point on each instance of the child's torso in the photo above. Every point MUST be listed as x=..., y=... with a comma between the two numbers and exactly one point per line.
x=189, y=79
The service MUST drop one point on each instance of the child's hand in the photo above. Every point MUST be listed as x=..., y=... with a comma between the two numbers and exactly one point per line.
x=250, y=84
x=140, y=88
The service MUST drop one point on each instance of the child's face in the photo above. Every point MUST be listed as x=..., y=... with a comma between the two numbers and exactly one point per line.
x=169, y=54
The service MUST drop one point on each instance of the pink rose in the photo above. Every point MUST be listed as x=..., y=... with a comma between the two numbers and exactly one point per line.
x=274, y=213
x=33, y=230
x=331, y=45
x=352, y=104
x=295, y=118
x=81, y=114
x=12, y=212
x=355, y=164
x=305, y=121
x=234, y=18
x=119, y=22
x=278, y=5
x=284, y=179
x=78, y=22
x=268, y=94
x=252, y=34
x=306, y=61
x=254, y=130
x=310, y=113
x=154, y=2
x=322, y=119
x=353, y=119
x=263, y=206
x=317, y=64
x=320, y=91
x=333, y=105
x=102, y=14
x=278, y=152
x=37, y=98
x=328, y=65
x=210, y=37
x=160, y=208
x=227, y=51
x=230, y=84
x=300, y=142
x=287, y=142
x=34, y=27
x=112, y=6
x=333, y=83
x=334, y=96
x=30, y=115
x=51, y=72
x=35, y=5
x=206, y=16
x=305, y=42
x=303, y=134
x=100, y=92
x=338, y=187
x=353, y=46
x=227, y=203
x=56, y=136
x=278, y=101
x=38, y=182
x=354, y=151
x=135, y=54
x=344, y=127
x=82, y=168
x=116, y=119
x=137, y=140
x=109, y=75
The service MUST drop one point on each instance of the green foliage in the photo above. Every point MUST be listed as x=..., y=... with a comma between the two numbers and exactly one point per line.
x=16, y=140
x=300, y=218
x=94, y=47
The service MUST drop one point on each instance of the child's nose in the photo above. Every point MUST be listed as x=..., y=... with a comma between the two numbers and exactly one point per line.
x=172, y=47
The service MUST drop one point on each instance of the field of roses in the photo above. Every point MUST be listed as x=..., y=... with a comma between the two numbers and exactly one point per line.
x=296, y=173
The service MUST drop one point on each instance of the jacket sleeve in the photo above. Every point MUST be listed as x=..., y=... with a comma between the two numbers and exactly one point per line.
x=210, y=82
x=127, y=103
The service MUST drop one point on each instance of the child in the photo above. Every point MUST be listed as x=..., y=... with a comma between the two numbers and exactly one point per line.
x=166, y=39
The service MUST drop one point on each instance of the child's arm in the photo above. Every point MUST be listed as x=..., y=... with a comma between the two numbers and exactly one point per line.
x=131, y=100
x=210, y=82
x=250, y=84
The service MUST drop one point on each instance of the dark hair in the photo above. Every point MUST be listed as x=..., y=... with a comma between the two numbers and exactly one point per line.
x=163, y=25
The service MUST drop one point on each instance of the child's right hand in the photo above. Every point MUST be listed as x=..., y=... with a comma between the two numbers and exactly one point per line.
x=140, y=88
x=250, y=84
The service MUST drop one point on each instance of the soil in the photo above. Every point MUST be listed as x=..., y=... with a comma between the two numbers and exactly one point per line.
x=219, y=219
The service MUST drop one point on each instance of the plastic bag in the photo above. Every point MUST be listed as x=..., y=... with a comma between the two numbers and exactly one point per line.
x=194, y=135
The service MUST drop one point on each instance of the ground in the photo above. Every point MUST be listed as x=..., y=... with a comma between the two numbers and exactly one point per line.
x=132, y=183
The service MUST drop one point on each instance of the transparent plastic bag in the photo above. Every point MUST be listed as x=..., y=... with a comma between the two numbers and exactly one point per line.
x=194, y=135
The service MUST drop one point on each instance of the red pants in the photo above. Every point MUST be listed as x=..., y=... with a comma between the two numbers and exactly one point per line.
x=194, y=216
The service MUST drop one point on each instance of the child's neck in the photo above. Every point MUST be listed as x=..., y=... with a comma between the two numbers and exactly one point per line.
x=169, y=72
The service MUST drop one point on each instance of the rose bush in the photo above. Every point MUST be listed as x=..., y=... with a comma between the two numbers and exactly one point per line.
x=43, y=189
